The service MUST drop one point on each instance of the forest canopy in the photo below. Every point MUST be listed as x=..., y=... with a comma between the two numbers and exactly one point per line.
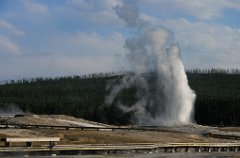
x=217, y=103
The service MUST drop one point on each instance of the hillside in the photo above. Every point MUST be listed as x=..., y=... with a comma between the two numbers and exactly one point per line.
x=218, y=97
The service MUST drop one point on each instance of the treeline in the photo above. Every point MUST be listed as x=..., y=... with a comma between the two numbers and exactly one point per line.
x=218, y=97
x=214, y=71
x=217, y=103
x=79, y=96
x=51, y=79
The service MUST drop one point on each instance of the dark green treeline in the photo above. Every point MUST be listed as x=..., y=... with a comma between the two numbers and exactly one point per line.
x=218, y=96
x=217, y=103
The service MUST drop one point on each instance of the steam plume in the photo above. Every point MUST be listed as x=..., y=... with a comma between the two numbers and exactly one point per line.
x=168, y=99
x=11, y=109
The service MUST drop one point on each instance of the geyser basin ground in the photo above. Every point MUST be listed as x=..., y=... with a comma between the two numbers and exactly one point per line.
x=184, y=134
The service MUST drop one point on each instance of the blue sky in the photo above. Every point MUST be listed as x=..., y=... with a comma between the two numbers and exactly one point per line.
x=74, y=37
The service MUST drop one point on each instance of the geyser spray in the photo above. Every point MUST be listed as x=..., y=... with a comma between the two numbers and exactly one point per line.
x=154, y=48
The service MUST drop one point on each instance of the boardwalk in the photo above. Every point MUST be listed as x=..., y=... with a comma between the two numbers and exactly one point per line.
x=125, y=148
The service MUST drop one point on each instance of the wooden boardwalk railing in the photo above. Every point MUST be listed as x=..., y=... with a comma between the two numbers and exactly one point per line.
x=130, y=148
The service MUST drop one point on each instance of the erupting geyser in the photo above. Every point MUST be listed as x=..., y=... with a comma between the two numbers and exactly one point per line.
x=153, y=48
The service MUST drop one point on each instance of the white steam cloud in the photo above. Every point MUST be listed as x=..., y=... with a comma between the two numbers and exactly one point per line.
x=11, y=109
x=167, y=99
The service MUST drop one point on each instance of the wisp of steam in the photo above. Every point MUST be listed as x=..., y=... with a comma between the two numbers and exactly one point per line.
x=167, y=100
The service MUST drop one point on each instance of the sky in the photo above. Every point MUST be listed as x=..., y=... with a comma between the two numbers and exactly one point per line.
x=49, y=38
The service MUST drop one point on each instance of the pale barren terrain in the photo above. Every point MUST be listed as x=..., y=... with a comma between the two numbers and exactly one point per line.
x=183, y=134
